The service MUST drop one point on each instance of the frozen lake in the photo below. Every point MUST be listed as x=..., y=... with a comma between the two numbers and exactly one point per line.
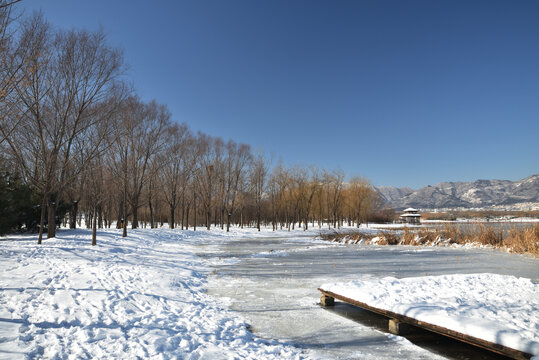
x=470, y=227
x=272, y=283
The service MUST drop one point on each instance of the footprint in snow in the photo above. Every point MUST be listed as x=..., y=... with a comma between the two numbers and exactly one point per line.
x=23, y=328
x=26, y=338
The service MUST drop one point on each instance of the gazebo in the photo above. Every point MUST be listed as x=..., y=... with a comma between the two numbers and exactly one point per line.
x=410, y=216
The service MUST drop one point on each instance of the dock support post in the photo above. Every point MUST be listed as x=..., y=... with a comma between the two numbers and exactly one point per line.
x=327, y=300
x=398, y=328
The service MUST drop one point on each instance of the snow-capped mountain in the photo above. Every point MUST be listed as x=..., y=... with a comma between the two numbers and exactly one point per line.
x=477, y=194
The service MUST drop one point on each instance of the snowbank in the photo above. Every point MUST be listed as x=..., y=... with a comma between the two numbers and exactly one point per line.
x=497, y=308
x=137, y=297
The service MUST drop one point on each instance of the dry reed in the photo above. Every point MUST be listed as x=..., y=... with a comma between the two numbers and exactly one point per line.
x=523, y=240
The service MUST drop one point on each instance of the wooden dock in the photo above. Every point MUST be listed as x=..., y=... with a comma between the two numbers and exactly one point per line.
x=400, y=325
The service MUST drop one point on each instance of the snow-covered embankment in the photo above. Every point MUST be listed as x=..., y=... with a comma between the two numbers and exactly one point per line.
x=142, y=296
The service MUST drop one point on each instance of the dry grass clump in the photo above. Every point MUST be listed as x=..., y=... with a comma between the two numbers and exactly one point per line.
x=486, y=236
x=521, y=241
x=354, y=237
x=418, y=237
x=347, y=237
x=386, y=238
x=452, y=234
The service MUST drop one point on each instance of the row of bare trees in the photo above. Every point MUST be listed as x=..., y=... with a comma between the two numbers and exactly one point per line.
x=309, y=195
x=74, y=131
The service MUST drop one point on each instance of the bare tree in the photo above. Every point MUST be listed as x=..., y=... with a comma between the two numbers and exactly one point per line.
x=70, y=76
x=258, y=178
x=235, y=164
x=139, y=141
x=95, y=188
x=178, y=162
x=310, y=190
x=358, y=198
x=276, y=194
x=210, y=153
x=28, y=146
x=6, y=4
x=334, y=182
x=11, y=69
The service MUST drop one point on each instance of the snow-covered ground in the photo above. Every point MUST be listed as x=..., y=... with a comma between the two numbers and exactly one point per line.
x=145, y=296
x=139, y=297
x=500, y=309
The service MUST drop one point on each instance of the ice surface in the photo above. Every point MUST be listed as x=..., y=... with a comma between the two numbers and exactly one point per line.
x=279, y=298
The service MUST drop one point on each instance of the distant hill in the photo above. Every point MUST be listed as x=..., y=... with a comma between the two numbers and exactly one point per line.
x=477, y=194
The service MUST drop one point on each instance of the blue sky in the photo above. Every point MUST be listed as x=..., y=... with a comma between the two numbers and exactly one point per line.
x=405, y=93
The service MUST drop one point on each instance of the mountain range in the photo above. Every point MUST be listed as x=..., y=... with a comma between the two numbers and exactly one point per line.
x=477, y=194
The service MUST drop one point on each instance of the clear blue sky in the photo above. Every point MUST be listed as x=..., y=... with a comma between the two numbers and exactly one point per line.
x=406, y=93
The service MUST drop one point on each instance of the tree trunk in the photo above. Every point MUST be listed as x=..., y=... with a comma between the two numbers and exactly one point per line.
x=152, y=223
x=186, y=217
x=171, y=222
x=124, y=223
x=208, y=218
x=94, y=228
x=73, y=215
x=183, y=213
x=51, y=226
x=100, y=218
x=120, y=214
x=195, y=214
x=42, y=219
x=134, y=209
x=222, y=218
x=258, y=218
x=182, y=217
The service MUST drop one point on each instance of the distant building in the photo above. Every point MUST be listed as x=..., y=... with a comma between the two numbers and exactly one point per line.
x=410, y=216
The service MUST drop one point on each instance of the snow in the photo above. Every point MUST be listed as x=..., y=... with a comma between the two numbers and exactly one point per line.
x=500, y=309
x=143, y=296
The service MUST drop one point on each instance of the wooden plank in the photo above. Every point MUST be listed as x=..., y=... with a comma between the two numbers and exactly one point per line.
x=327, y=300
x=399, y=328
x=497, y=348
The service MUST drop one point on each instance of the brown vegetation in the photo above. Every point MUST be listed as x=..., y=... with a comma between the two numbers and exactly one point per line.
x=478, y=214
x=522, y=241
